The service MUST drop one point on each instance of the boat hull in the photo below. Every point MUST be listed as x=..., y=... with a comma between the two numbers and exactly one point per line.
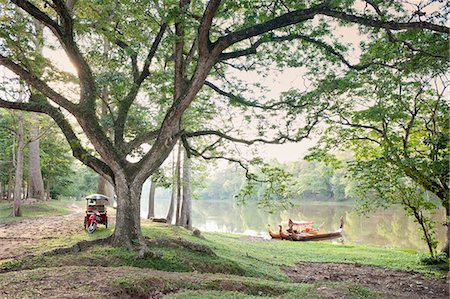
x=317, y=237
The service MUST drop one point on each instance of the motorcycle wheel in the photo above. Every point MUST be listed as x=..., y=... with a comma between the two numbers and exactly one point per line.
x=92, y=228
x=106, y=224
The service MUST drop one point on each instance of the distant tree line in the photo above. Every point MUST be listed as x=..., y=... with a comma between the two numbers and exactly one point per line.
x=307, y=180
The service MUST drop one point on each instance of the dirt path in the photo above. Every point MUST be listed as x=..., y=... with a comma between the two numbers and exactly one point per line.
x=16, y=237
x=388, y=283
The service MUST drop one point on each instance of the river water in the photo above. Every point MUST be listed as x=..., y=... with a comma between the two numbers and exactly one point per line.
x=386, y=228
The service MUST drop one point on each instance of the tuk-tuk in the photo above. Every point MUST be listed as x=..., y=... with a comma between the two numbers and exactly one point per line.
x=95, y=212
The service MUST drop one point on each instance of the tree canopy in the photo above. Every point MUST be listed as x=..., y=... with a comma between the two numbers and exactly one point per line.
x=153, y=64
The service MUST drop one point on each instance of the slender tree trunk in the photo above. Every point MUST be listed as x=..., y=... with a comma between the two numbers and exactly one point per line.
x=49, y=181
x=1, y=191
x=186, y=212
x=178, y=175
x=127, y=231
x=9, y=192
x=172, y=204
x=35, y=182
x=445, y=249
x=172, y=195
x=423, y=226
x=151, y=200
x=19, y=168
x=24, y=190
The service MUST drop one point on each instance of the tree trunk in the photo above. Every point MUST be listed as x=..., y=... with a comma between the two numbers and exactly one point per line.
x=127, y=231
x=104, y=95
x=35, y=182
x=49, y=181
x=151, y=200
x=10, y=171
x=19, y=168
x=172, y=204
x=178, y=175
x=101, y=185
x=186, y=212
x=109, y=192
x=445, y=249
x=172, y=196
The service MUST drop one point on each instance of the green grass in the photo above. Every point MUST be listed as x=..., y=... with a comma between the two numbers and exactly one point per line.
x=233, y=256
x=239, y=269
x=37, y=210
x=263, y=259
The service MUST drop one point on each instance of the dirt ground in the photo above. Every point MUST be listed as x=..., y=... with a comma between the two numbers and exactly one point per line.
x=17, y=238
x=399, y=284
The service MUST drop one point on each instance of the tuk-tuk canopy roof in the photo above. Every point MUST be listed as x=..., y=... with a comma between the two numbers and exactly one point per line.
x=96, y=197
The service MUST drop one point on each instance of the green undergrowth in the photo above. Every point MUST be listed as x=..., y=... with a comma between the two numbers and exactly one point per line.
x=35, y=210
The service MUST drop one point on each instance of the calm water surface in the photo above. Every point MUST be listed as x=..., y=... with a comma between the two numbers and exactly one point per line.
x=387, y=228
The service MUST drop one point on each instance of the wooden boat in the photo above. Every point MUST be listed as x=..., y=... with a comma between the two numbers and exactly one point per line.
x=318, y=235
x=274, y=234
x=284, y=235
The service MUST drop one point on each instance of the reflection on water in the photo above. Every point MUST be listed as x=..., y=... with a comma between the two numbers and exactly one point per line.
x=388, y=228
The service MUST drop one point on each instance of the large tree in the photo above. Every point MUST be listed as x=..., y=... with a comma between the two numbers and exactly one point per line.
x=162, y=55
x=396, y=118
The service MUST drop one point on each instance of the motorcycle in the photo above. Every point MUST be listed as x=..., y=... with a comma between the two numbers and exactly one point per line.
x=95, y=212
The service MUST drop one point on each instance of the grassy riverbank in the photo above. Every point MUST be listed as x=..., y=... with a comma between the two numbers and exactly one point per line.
x=35, y=210
x=181, y=265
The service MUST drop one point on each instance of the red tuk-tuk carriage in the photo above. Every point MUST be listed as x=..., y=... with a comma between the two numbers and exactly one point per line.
x=95, y=212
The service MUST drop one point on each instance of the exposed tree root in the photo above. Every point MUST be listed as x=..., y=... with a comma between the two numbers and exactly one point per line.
x=143, y=249
x=179, y=242
x=82, y=245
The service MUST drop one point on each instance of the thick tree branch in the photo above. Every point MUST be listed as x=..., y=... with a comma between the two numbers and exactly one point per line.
x=65, y=16
x=64, y=34
x=39, y=15
x=345, y=122
x=151, y=53
x=126, y=103
x=392, y=38
x=204, y=43
x=133, y=57
x=139, y=140
x=275, y=23
x=298, y=16
x=40, y=85
x=392, y=25
x=240, y=100
x=279, y=140
x=244, y=52
x=179, y=78
x=42, y=106
x=291, y=37
x=196, y=153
